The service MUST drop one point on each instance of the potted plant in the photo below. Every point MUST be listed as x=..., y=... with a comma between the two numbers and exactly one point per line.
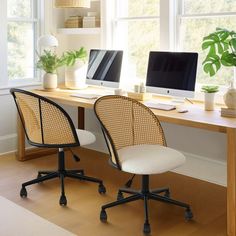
x=75, y=71
x=210, y=91
x=221, y=46
x=49, y=62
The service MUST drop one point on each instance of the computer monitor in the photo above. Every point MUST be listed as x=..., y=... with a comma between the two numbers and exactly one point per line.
x=172, y=73
x=104, y=68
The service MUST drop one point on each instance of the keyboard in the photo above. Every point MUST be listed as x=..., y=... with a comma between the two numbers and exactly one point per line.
x=86, y=95
x=159, y=106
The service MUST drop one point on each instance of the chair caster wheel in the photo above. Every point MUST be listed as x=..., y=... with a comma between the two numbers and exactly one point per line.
x=101, y=189
x=63, y=201
x=103, y=216
x=146, y=228
x=188, y=214
x=23, y=192
x=120, y=196
x=167, y=194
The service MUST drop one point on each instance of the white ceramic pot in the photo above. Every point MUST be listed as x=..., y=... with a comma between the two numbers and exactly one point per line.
x=209, y=101
x=50, y=81
x=75, y=76
x=230, y=98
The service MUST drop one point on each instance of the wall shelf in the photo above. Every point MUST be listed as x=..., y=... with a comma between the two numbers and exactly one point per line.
x=81, y=31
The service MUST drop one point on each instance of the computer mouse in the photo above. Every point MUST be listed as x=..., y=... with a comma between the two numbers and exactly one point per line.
x=181, y=109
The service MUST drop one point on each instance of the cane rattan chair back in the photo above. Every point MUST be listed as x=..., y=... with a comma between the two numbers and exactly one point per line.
x=45, y=123
x=127, y=122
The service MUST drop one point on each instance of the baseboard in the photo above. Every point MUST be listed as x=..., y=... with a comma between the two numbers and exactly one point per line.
x=204, y=168
x=8, y=143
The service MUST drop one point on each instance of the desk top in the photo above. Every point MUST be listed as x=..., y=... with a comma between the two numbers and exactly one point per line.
x=196, y=116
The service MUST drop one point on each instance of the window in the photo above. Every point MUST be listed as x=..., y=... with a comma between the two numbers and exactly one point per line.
x=179, y=25
x=199, y=18
x=137, y=32
x=20, y=18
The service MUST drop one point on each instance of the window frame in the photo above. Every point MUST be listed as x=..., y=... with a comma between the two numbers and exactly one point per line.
x=116, y=19
x=37, y=23
x=171, y=12
x=181, y=15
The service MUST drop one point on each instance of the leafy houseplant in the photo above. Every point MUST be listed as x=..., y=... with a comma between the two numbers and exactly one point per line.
x=221, y=46
x=70, y=57
x=75, y=68
x=49, y=62
x=209, y=91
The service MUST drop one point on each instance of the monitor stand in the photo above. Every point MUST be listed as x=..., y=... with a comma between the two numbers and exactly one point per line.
x=177, y=100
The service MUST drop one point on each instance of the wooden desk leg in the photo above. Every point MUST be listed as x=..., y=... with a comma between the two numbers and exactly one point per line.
x=81, y=115
x=231, y=182
x=20, y=153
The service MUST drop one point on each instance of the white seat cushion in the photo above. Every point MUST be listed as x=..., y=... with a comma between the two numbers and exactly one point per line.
x=149, y=159
x=85, y=137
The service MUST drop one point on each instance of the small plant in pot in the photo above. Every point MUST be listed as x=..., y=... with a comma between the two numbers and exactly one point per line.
x=49, y=62
x=210, y=91
x=221, y=46
x=75, y=70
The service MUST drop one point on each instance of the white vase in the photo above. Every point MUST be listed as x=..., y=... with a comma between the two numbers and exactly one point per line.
x=209, y=101
x=75, y=75
x=230, y=97
x=50, y=81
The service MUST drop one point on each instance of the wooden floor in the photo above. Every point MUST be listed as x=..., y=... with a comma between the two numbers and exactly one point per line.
x=81, y=216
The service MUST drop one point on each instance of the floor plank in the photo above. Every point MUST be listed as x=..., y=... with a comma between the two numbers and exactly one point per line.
x=81, y=216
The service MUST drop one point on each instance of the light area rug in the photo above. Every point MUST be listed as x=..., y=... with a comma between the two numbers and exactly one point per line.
x=16, y=220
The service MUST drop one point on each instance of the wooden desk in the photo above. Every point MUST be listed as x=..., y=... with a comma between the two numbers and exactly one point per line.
x=196, y=117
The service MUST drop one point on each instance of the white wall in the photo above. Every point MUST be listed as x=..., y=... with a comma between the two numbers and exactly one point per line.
x=206, y=151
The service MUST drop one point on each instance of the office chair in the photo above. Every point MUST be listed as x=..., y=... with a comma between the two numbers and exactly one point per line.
x=47, y=125
x=137, y=145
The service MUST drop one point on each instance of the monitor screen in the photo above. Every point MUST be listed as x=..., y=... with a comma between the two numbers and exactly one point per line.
x=172, y=73
x=104, y=67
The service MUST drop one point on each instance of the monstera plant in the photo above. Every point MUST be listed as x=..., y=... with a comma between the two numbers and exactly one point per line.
x=221, y=46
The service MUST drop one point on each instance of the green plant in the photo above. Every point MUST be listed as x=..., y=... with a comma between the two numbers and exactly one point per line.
x=221, y=46
x=69, y=58
x=210, y=89
x=49, y=62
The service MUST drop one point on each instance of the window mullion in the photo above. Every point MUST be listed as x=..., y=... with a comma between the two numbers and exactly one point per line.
x=3, y=42
x=25, y=20
x=137, y=18
x=208, y=15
